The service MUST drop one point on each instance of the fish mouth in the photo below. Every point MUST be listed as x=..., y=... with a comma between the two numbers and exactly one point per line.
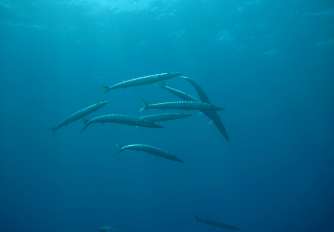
x=103, y=103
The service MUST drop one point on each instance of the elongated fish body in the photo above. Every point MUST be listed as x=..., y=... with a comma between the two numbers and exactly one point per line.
x=149, y=149
x=122, y=119
x=213, y=115
x=180, y=105
x=202, y=95
x=164, y=117
x=141, y=81
x=79, y=114
x=216, y=224
x=210, y=114
x=188, y=97
x=179, y=93
x=106, y=229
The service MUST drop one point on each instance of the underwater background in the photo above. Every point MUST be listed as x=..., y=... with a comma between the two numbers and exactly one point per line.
x=270, y=64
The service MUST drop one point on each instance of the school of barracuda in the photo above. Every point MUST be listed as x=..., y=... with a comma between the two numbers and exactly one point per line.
x=188, y=102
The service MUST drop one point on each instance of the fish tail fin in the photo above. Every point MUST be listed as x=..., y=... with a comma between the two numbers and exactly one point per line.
x=84, y=128
x=144, y=106
x=196, y=218
x=161, y=85
x=84, y=121
x=119, y=149
x=105, y=88
x=53, y=129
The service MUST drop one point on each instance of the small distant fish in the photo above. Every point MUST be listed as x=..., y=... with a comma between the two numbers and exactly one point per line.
x=325, y=42
x=271, y=52
x=122, y=119
x=141, y=81
x=149, y=149
x=106, y=229
x=180, y=105
x=164, y=117
x=79, y=114
x=216, y=224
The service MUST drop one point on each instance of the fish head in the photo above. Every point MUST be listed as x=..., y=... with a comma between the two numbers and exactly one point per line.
x=103, y=103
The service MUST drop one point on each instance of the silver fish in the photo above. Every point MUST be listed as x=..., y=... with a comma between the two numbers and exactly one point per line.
x=141, y=81
x=79, y=114
x=179, y=93
x=180, y=105
x=122, y=119
x=202, y=95
x=106, y=229
x=216, y=224
x=165, y=117
x=149, y=149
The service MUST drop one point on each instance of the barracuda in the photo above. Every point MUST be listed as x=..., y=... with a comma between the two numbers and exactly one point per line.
x=216, y=224
x=215, y=118
x=165, y=117
x=79, y=114
x=179, y=93
x=141, y=81
x=202, y=95
x=106, y=229
x=180, y=105
x=149, y=149
x=213, y=115
x=122, y=119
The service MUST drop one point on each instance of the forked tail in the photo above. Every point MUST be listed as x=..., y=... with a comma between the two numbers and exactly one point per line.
x=105, y=88
x=144, y=106
x=85, y=121
x=161, y=85
x=53, y=129
x=119, y=149
x=196, y=218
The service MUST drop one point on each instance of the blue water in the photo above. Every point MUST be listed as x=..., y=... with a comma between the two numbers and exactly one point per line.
x=270, y=64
